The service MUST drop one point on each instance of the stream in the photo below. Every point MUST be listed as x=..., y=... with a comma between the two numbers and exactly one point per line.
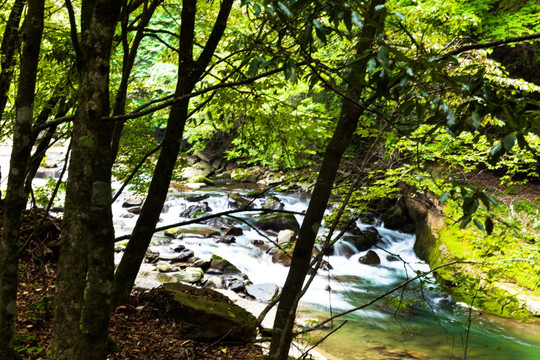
x=417, y=322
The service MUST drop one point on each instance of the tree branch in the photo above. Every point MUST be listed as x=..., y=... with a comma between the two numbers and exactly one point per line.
x=491, y=44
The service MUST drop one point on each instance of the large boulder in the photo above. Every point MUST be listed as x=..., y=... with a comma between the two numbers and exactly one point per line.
x=277, y=222
x=250, y=175
x=197, y=170
x=371, y=258
x=273, y=203
x=397, y=218
x=209, y=315
x=365, y=240
x=190, y=275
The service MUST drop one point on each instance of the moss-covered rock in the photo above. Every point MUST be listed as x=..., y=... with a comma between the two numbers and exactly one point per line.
x=277, y=222
x=209, y=315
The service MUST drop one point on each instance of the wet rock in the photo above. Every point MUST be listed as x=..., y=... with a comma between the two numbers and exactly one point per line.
x=237, y=201
x=190, y=275
x=178, y=248
x=151, y=257
x=227, y=239
x=203, y=264
x=173, y=233
x=193, y=231
x=237, y=286
x=195, y=211
x=273, y=203
x=392, y=258
x=131, y=202
x=285, y=236
x=365, y=240
x=164, y=268
x=220, y=264
x=263, y=292
x=127, y=216
x=214, y=282
x=182, y=256
x=233, y=230
x=209, y=315
x=371, y=258
x=283, y=257
x=135, y=210
x=197, y=198
x=277, y=222
x=255, y=194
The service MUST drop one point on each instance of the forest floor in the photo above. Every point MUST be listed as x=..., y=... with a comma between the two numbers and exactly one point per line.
x=140, y=329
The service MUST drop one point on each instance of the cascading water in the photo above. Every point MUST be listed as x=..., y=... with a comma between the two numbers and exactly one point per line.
x=415, y=322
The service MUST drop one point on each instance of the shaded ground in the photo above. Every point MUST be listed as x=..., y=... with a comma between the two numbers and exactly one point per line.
x=140, y=329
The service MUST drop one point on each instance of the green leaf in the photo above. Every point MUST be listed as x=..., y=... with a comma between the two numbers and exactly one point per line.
x=509, y=141
x=318, y=24
x=470, y=206
x=476, y=120
x=383, y=55
x=371, y=66
x=357, y=20
x=489, y=225
x=465, y=220
x=496, y=152
x=254, y=67
x=285, y=9
x=401, y=16
x=444, y=197
x=451, y=119
x=321, y=34
x=479, y=225
x=257, y=9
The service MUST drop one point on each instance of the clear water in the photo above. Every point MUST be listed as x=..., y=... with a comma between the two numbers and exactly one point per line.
x=427, y=324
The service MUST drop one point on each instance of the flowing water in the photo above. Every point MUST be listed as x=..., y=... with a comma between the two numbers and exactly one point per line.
x=417, y=322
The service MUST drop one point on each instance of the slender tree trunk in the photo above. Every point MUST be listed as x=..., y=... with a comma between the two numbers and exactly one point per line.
x=15, y=201
x=189, y=73
x=301, y=258
x=10, y=43
x=82, y=237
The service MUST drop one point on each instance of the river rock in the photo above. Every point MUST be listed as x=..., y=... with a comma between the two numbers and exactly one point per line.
x=131, y=202
x=277, y=222
x=194, y=211
x=365, y=240
x=273, y=203
x=263, y=292
x=197, y=198
x=135, y=210
x=209, y=315
x=397, y=218
x=203, y=231
x=151, y=256
x=214, y=282
x=190, y=275
x=173, y=233
x=283, y=257
x=227, y=239
x=164, y=268
x=246, y=175
x=182, y=256
x=237, y=201
x=237, y=285
x=223, y=266
x=370, y=258
x=202, y=263
x=233, y=230
x=199, y=169
x=285, y=236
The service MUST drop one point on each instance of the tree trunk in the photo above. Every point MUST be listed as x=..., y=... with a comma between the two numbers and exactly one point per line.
x=10, y=43
x=350, y=112
x=84, y=238
x=189, y=73
x=15, y=201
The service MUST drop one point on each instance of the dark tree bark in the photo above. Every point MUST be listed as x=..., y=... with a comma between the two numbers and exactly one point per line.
x=350, y=113
x=86, y=243
x=10, y=43
x=15, y=201
x=189, y=73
